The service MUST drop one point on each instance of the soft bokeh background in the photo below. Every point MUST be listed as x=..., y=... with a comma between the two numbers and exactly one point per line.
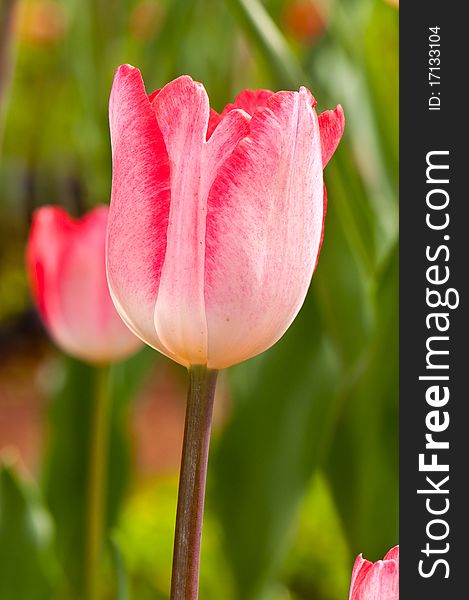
x=303, y=467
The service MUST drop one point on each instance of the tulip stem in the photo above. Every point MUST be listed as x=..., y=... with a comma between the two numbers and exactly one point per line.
x=97, y=483
x=190, y=510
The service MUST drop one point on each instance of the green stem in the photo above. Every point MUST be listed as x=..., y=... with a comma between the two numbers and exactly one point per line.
x=190, y=511
x=97, y=483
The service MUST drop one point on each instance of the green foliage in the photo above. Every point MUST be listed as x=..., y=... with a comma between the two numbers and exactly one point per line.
x=121, y=577
x=145, y=535
x=26, y=567
x=320, y=569
x=66, y=468
x=363, y=462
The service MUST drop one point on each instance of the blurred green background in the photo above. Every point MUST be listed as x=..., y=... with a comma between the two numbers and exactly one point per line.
x=303, y=465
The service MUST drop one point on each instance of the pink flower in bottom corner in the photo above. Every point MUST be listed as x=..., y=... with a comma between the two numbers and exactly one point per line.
x=376, y=581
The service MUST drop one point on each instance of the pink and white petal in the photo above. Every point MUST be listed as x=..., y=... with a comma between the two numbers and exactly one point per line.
x=96, y=331
x=49, y=236
x=140, y=205
x=182, y=111
x=393, y=554
x=249, y=101
x=360, y=569
x=233, y=128
x=331, y=125
x=81, y=281
x=213, y=121
x=324, y=205
x=264, y=222
x=380, y=583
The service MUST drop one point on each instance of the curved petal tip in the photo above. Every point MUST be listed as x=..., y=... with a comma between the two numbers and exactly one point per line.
x=331, y=124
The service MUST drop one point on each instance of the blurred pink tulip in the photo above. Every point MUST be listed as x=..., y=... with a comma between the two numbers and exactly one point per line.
x=216, y=220
x=66, y=264
x=376, y=581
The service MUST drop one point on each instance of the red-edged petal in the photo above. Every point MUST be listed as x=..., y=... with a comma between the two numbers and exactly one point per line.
x=264, y=223
x=359, y=573
x=393, y=554
x=182, y=111
x=49, y=234
x=213, y=122
x=331, y=125
x=140, y=205
x=381, y=582
x=249, y=101
x=153, y=95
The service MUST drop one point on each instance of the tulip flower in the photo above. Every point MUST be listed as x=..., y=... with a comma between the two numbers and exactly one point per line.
x=215, y=228
x=376, y=581
x=216, y=221
x=66, y=264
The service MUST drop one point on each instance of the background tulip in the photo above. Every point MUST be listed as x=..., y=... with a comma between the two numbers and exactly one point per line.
x=376, y=581
x=65, y=259
x=216, y=220
x=66, y=263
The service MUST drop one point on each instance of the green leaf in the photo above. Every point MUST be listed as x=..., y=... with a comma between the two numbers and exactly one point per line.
x=126, y=379
x=258, y=26
x=66, y=471
x=341, y=285
x=167, y=45
x=362, y=465
x=382, y=72
x=26, y=562
x=65, y=481
x=121, y=578
x=348, y=193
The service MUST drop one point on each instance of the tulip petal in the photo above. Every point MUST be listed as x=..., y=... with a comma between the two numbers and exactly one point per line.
x=213, y=122
x=66, y=261
x=50, y=231
x=393, y=554
x=264, y=224
x=331, y=125
x=249, y=101
x=182, y=111
x=381, y=582
x=359, y=572
x=140, y=205
x=324, y=205
x=91, y=320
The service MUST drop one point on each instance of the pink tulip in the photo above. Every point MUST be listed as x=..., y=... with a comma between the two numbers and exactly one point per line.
x=376, y=581
x=66, y=264
x=216, y=220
